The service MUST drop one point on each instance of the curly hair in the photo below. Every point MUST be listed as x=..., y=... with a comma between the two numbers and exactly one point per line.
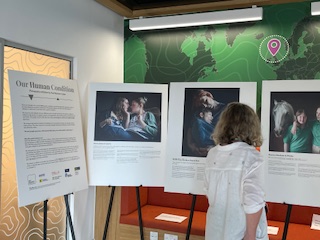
x=238, y=122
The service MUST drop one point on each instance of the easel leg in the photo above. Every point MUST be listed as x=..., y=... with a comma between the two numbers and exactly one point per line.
x=286, y=224
x=45, y=218
x=109, y=213
x=139, y=213
x=66, y=200
x=194, y=198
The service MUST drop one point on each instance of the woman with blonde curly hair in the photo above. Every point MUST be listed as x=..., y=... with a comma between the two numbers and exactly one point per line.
x=238, y=123
x=234, y=178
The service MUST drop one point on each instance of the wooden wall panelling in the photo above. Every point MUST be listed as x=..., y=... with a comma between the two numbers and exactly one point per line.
x=117, y=231
x=101, y=209
x=130, y=232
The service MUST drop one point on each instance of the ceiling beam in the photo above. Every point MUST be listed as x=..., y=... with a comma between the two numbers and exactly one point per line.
x=198, y=7
x=187, y=8
x=206, y=7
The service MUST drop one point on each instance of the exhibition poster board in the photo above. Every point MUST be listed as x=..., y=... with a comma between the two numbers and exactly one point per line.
x=292, y=177
x=48, y=138
x=126, y=138
x=194, y=110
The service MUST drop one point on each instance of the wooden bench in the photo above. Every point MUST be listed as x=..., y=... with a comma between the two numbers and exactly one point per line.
x=155, y=201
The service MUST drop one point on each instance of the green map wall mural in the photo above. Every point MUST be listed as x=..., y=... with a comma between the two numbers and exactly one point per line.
x=229, y=52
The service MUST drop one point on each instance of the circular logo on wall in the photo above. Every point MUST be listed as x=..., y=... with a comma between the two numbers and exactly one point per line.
x=274, y=48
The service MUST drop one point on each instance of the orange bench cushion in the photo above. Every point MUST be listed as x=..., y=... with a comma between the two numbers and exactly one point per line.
x=295, y=231
x=155, y=201
x=299, y=214
x=129, y=199
x=149, y=212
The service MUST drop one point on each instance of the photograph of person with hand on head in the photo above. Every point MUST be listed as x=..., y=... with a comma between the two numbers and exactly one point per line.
x=202, y=110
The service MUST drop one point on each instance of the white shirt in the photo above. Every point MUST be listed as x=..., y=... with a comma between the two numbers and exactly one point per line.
x=234, y=187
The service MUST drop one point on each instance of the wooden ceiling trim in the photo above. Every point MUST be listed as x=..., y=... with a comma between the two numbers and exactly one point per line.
x=205, y=7
x=199, y=7
x=187, y=8
x=274, y=2
x=117, y=7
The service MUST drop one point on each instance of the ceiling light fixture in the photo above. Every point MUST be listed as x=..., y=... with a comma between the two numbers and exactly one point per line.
x=197, y=19
x=315, y=8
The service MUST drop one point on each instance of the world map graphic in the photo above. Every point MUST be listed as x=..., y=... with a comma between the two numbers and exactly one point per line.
x=230, y=52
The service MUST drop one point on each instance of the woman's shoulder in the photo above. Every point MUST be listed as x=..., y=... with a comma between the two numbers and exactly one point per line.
x=149, y=116
x=249, y=152
x=254, y=157
x=213, y=150
x=238, y=147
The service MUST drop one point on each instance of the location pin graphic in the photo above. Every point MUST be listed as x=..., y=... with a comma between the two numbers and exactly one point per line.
x=274, y=46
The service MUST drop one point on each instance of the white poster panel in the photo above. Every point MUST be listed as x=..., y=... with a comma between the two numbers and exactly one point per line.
x=127, y=132
x=291, y=153
x=48, y=139
x=194, y=110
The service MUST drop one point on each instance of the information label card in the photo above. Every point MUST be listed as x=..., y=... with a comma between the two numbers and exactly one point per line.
x=315, y=222
x=49, y=149
x=171, y=218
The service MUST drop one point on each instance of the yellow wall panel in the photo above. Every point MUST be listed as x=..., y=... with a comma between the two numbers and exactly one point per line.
x=26, y=222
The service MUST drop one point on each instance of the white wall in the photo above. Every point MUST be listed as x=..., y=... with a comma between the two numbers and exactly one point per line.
x=82, y=29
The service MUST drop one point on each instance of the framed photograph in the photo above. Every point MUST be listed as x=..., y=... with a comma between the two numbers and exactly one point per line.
x=127, y=127
x=291, y=130
x=202, y=108
x=194, y=110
